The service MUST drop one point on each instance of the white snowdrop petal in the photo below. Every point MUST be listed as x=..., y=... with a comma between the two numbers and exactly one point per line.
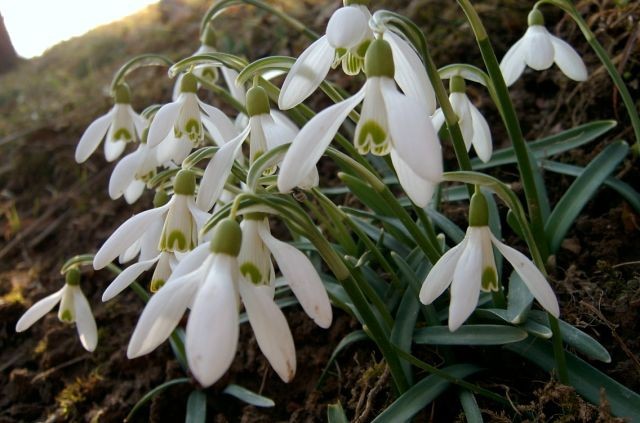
x=134, y=191
x=306, y=74
x=237, y=91
x=113, y=149
x=38, y=310
x=512, y=64
x=124, y=173
x=191, y=261
x=465, y=288
x=568, y=60
x=150, y=240
x=482, y=143
x=85, y=323
x=461, y=105
x=438, y=120
x=441, y=275
x=347, y=27
x=419, y=190
x=277, y=132
x=412, y=133
x=220, y=127
x=270, y=328
x=92, y=136
x=126, y=278
x=531, y=276
x=311, y=142
x=302, y=277
x=217, y=172
x=128, y=233
x=212, y=329
x=199, y=216
x=162, y=314
x=173, y=149
x=162, y=123
x=410, y=74
x=538, y=50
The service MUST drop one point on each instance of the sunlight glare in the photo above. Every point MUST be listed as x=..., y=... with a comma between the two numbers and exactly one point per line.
x=35, y=25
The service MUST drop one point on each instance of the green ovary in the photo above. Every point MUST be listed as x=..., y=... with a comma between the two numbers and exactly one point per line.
x=489, y=279
x=251, y=272
x=372, y=137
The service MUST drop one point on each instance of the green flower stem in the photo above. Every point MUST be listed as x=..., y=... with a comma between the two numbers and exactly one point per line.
x=533, y=192
x=340, y=218
x=431, y=251
x=225, y=94
x=628, y=101
x=219, y=6
x=558, y=350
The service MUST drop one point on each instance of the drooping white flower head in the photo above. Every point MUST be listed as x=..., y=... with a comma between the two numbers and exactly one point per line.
x=131, y=173
x=470, y=267
x=474, y=127
x=539, y=50
x=390, y=123
x=346, y=40
x=179, y=126
x=121, y=125
x=74, y=308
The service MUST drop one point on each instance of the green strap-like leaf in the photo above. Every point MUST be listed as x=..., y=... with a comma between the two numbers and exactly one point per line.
x=586, y=379
x=248, y=396
x=335, y=413
x=152, y=393
x=470, y=406
x=422, y=394
x=402, y=331
x=581, y=191
x=196, y=407
x=348, y=340
x=469, y=335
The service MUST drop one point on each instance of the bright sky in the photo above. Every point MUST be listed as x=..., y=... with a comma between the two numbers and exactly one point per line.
x=35, y=25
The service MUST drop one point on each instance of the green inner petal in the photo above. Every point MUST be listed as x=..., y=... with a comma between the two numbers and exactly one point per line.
x=251, y=272
x=194, y=129
x=156, y=284
x=352, y=64
x=66, y=316
x=489, y=279
x=175, y=237
x=372, y=137
x=122, y=134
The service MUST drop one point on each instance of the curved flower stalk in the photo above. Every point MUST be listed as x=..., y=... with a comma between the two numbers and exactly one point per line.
x=390, y=123
x=186, y=117
x=539, y=50
x=474, y=127
x=470, y=267
x=120, y=125
x=346, y=40
x=74, y=308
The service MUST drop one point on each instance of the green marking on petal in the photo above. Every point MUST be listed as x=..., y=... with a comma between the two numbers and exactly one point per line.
x=251, y=272
x=489, y=279
x=122, y=134
x=176, y=237
x=66, y=316
x=194, y=129
x=352, y=64
x=372, y=137
x=210, y=74
x=156, y=284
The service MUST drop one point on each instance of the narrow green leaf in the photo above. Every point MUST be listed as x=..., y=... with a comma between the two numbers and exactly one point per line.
x=450, y=229
x=586, y=379
x=152, y=393
x=625, y=190
x=345, y=342
x=534, y=328
x=573, y=336
x=248, y=396
x=581, y=191
x=422, y=394
x=470, y=406
x=469, y=335
x=335, y=413
x=551, y=145
x=365, y=193
x=196, y=407
x=264, y=162
x=402, y=331
x=177, y=346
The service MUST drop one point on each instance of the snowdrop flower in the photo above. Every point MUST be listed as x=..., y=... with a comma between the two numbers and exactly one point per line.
x=474, y=127
x=74, y=308
x=121, y=125
x=390, y=123
x=539, y=50
x=186, y=117
x=470, y=267
x=182, y=221
x=346, y=40
x=130, y=174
